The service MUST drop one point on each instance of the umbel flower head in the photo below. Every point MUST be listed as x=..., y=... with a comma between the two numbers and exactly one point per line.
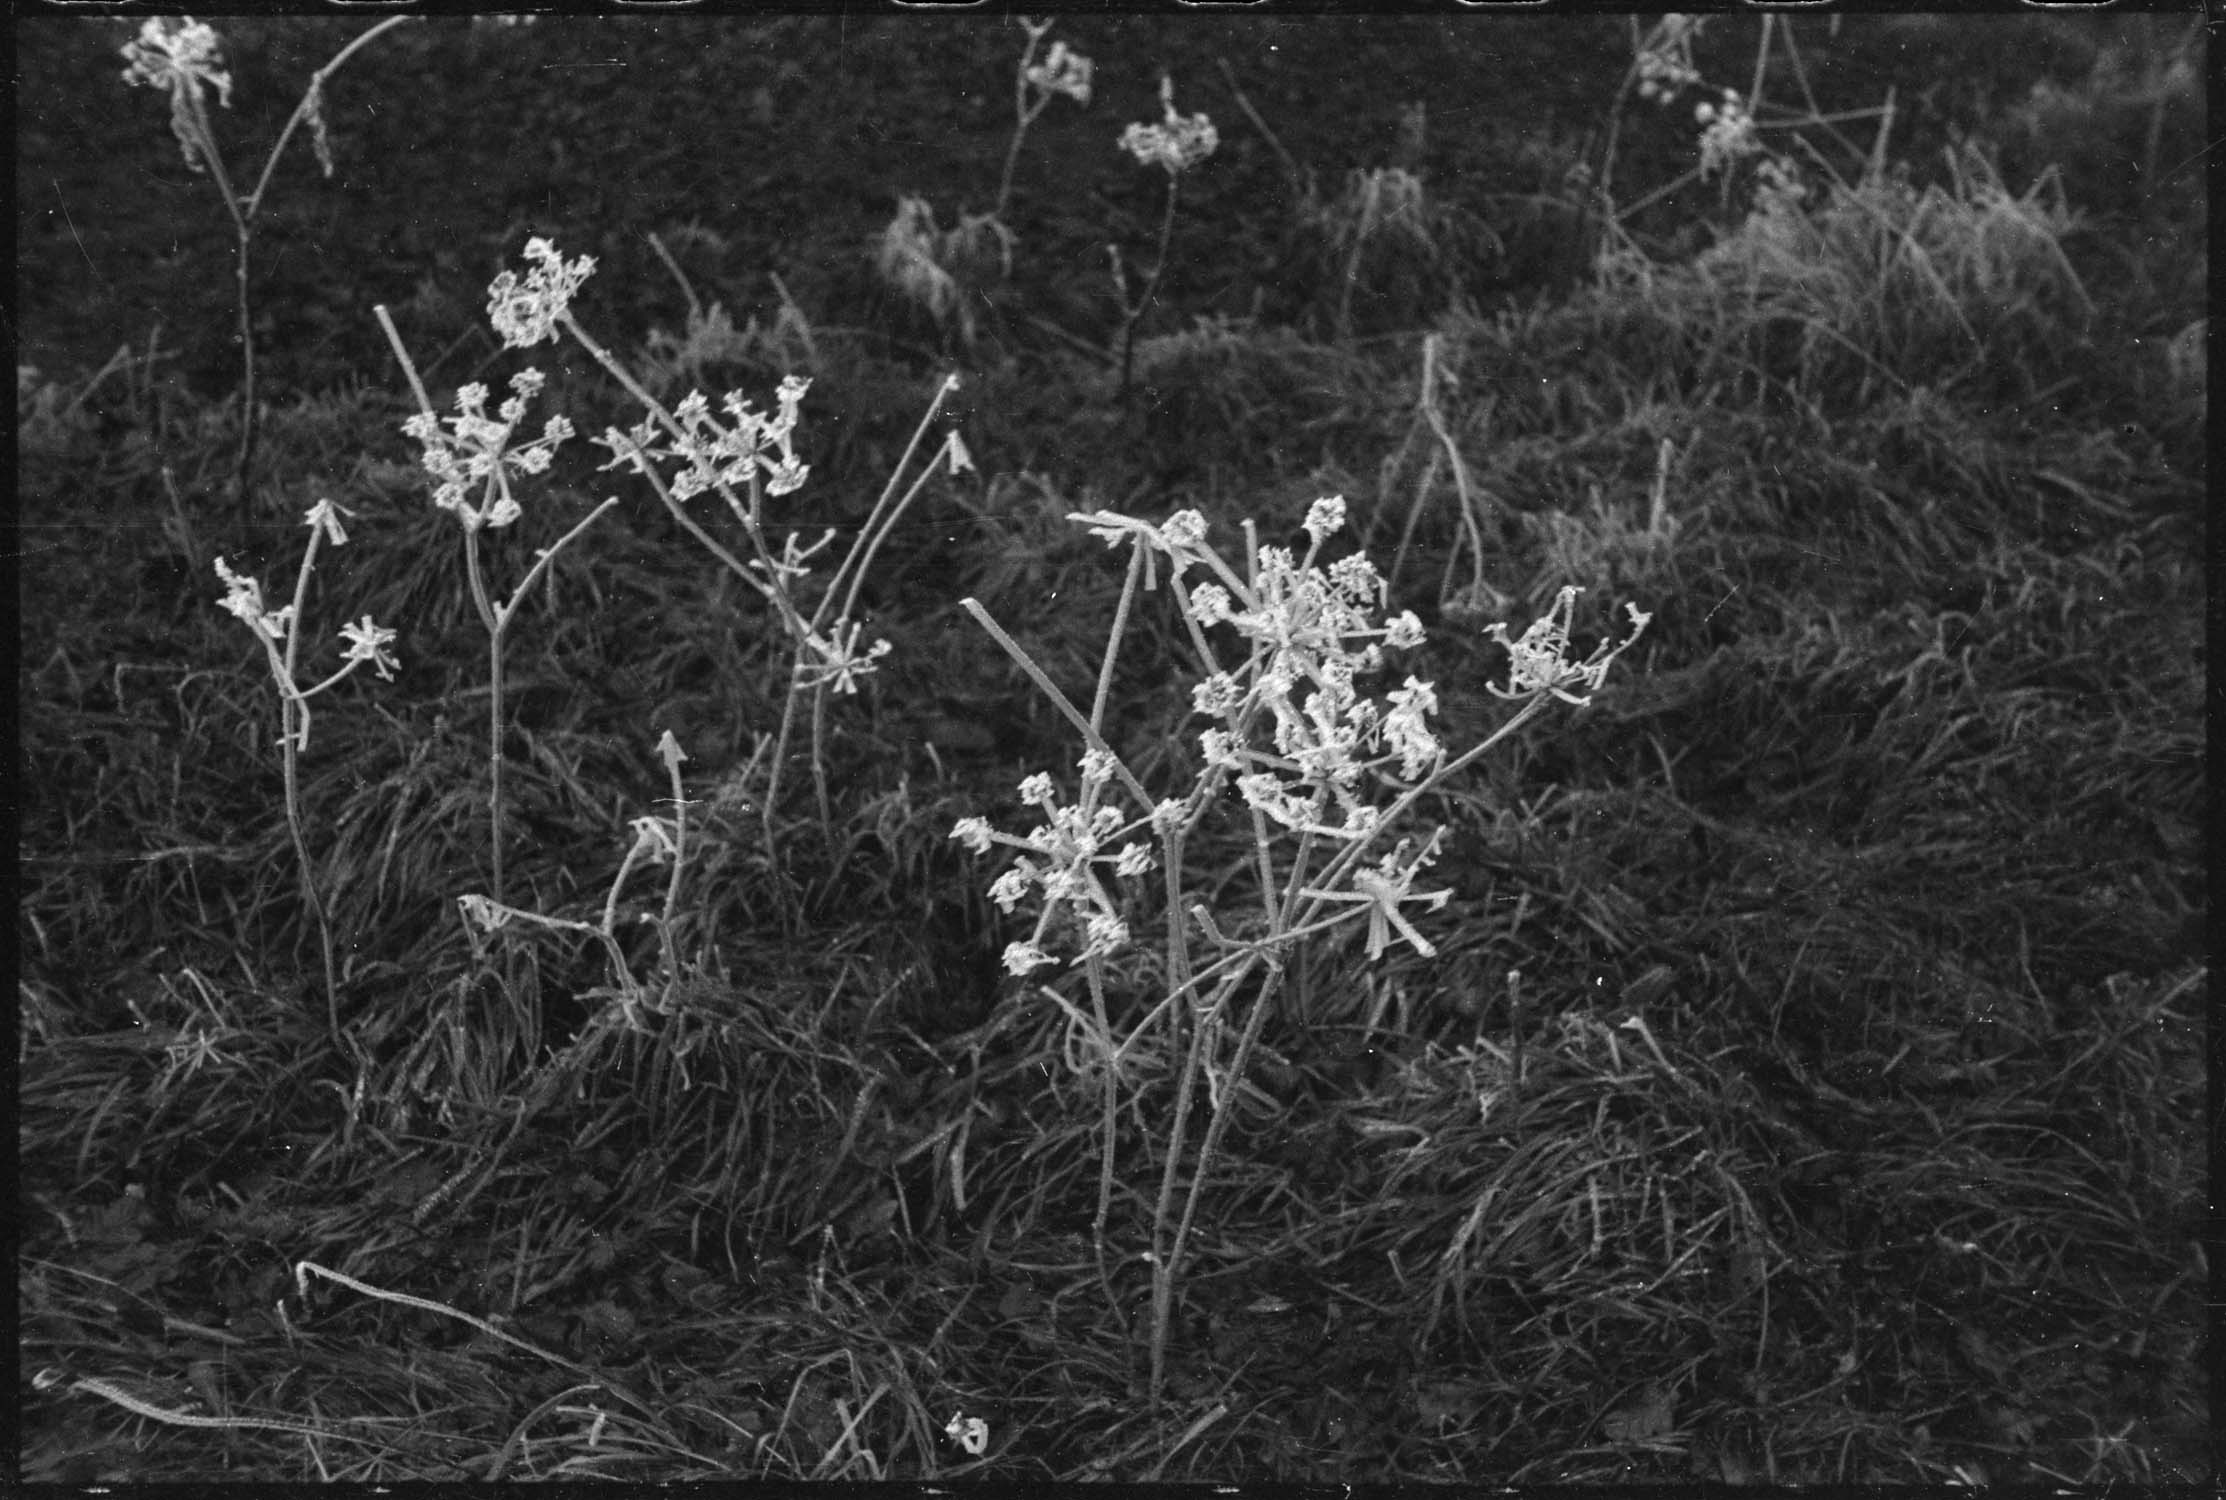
x=476, y=448
x=526, y=312
x=1061, y=72
x=180, y=57
x=1178, y=142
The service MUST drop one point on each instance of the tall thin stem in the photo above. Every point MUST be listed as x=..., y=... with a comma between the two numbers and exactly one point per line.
x=1151, y=288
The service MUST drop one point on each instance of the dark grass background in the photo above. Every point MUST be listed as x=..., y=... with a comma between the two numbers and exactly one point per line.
x=1806, y=1088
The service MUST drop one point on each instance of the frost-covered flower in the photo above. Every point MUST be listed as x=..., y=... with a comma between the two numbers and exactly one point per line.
x=1063, y=71
x=1665, y=61
x=970, y=1433
x=475, y=449
x=728, y=454
x=525, y=312
x=1177, y=143
x=1729, y=133
x=1021, y=958
x=1538, y=661
x=183, y=58
x=368, y=641
x=243, y=599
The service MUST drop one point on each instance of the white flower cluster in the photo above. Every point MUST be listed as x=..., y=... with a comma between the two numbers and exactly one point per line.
x=716, y=454
x=1539, y=659
x=1063, y=71
x=1728, y=135
x=1178, y=142
x=1665, y=60
x=526, y=312
x=1310, y=635
x=476, y=448
x=1062, y=858
x=181, y=61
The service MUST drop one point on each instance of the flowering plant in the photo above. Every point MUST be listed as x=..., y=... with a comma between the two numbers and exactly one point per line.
x=1324, y=769
x=276, y=630
x=684, y=451
x=185, y=59
x=1176, y=145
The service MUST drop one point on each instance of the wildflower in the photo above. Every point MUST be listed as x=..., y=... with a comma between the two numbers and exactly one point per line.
x=1665, y=61
x=1008, y=889
x=970, y=1433
x=243, y=599
x=728, y=454
x=476, y=449
x=1021, y=958
x=1097, y=767
x=1729, y=136
x=1105, y=934
x=1209, y=604
x=1218, y=696
x=1325, y=516
x=367, y=641
x=526, y=312
x=1403, y=730
x=183, y=62
x=1063, y=71
x=1038, y=791
x=1538, y=662
x=1177, y=143
x=974, y=833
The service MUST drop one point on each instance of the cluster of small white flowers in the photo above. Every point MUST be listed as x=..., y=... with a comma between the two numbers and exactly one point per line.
x=1666, y=59
x=1177, y=143
x=716, y=454
x=525, y=312
x=180, y=61
x=1539, y=659
x=1072, y=842
x=1312, y=634
x=1779, y=187
x=1728, y=135
x=1063, y=71
x=476, y=448
x=1312, y=628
